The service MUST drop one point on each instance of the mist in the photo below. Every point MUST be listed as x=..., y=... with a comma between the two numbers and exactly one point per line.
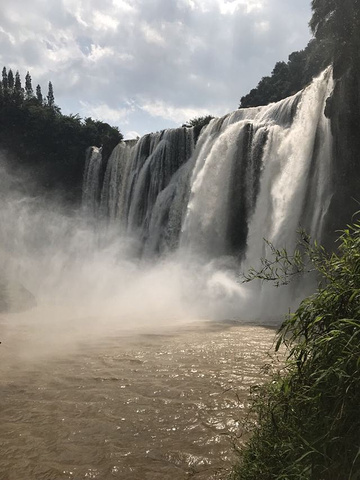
x=70, y=279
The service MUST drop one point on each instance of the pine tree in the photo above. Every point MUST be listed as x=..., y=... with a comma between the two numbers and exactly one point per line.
x=18, y=91
x=50, y=96
x=11, y=81
x=17, y=81
x=28, y=87
x=39, y=95
x=4, y=79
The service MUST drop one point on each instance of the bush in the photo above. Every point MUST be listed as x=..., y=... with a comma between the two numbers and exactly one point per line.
x=308, y=423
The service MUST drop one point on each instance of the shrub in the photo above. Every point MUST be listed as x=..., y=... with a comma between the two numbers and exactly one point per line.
x=308, y=423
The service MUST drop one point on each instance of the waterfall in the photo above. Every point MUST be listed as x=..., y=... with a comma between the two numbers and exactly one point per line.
x=255, y=173
x=135, y=189
x=92, y=186
x=261, y=176
x=296, y=162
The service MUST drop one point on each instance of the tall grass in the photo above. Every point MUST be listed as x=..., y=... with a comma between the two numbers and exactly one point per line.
x=308, y=415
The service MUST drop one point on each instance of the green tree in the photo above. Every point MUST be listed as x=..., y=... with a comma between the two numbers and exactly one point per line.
x=289, y=78
x=52, y=144
x=28, y=87
x=11, y=80
x=17, y=81
x=18, y=91
x=50, y=96
x=198, y=121
x=337, y=22
x=4, y=78
x=39, y=94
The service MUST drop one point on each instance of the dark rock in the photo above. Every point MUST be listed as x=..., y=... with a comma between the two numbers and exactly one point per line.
x=343, y=109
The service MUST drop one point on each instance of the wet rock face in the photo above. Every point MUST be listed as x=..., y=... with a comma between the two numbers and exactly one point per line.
x=14, y=297
x=343, y=109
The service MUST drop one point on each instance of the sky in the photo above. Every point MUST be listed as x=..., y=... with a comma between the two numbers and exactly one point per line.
x=146, y=65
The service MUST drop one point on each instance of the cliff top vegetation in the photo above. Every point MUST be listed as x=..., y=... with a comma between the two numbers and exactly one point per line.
x=335, y=25
x=52, y=144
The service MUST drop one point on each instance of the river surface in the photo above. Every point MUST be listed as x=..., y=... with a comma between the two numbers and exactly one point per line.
x=159, y=403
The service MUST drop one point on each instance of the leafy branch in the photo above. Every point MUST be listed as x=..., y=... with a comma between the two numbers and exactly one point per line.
x=281, y=266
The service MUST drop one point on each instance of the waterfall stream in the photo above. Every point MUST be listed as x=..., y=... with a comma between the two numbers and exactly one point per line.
x=257, y=173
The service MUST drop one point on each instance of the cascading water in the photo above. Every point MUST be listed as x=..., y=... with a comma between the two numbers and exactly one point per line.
x=92, y=187
x=295, y=174
x=135, y=176
x=253, y=180
x=255, y=173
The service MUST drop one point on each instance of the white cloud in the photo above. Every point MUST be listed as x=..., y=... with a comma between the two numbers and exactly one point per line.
x=132, y=134
x=104, y=112
x=61, y=52
x=226, y=7
x=176, y=59
x=98, y=52
x=10, y=37
x=171, y=112
x=151, y=35
x=262, y=27
x=254, y=5
x=191, y=4
x=105, y=22
x=77, y=10
x=124, y=6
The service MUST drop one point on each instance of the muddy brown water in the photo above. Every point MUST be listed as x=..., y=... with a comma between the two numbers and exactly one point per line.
x=155, y=404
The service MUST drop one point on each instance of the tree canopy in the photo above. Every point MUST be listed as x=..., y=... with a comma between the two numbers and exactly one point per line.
x=41, y=137
x=337, y=23
x=198, y=123
x=336, y=26
x=289, y=77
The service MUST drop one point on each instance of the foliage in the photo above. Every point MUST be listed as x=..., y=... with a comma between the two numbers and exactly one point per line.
x=53, y=145
x=39, y=96
x=11, y=80
x=336, y=26
x=4, y=79
x=50, y=96
x=282, y=267
x=28, y=87
x=288, y=78
x=337, y=22
x=198, y=121
x=308, y=423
